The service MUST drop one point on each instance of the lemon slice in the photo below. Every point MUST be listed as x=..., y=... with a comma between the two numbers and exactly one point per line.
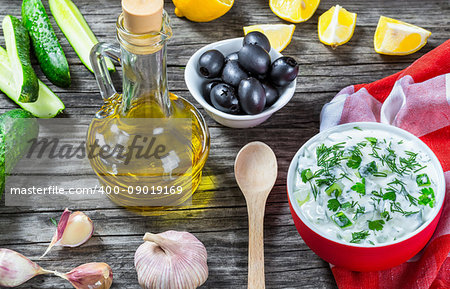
x=394, y=37
x=295, y=11
x=280, y=35
x=336, y=26
x=202, y=10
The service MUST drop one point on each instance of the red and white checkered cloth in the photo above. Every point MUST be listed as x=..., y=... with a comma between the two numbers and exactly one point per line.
x=416, y=99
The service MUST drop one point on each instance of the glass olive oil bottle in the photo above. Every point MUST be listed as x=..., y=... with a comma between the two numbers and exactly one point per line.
x=146, y=145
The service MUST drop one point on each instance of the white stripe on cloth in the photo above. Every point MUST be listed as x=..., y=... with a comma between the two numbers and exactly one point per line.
x=447, y=87
x=331, y=112
x=395, y=101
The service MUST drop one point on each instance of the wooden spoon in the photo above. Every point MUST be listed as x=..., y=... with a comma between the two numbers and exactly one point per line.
x=255, y=170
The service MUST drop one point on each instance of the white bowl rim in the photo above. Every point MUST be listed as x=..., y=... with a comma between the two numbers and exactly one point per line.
x=280, y=103
x=440, y=191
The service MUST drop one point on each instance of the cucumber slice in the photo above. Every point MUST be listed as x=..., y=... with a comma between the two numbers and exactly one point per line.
x=46, y=46
x=302, y=196
x=48, y=104
x=335, y=188
x=18, y=46
x=76, y=30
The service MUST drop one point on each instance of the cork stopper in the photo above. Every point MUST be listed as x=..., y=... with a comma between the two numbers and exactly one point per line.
x=142, y=16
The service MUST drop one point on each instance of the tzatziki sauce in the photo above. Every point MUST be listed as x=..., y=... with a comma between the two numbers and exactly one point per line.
x=365, y=186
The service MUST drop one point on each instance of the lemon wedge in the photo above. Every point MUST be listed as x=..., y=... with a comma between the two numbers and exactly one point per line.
x=336, y=26
x=394, y=37
x=280, y=35
x=295, y=11
x=202, y=10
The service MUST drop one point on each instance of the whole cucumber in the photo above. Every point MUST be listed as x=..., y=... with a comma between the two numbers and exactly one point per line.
x=46, y=46
x=17, y=128
x=18, y=47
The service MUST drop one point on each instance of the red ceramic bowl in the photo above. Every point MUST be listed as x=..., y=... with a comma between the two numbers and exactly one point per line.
x=358, y=257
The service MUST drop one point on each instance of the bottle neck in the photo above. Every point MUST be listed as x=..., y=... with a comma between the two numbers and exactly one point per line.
x=144, y=67
x=145, y=80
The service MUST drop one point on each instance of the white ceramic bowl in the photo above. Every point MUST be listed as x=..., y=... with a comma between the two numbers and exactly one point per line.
x=195, y=83
x=361, y=257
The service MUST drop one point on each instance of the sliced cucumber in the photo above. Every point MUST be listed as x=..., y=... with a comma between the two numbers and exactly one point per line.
x=46, y=46
x=76, y=30
x=18, y=46
x=48, y=104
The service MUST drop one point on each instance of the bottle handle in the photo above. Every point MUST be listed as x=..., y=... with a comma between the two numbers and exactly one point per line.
x=100, y=66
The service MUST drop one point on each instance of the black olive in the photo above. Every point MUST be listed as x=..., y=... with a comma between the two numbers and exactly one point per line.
x=223, y=97
x=232, y=56
x=254, y=59
x=207, y=90
x=233, y=73
x=251, y=96
x=258, y=38
x=283, y=71
x=271, y=93
x=211, y=63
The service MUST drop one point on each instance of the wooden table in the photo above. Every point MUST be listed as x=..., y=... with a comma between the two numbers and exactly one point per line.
x=218, y=216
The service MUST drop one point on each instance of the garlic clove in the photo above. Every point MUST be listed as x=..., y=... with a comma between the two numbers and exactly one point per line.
x=78, y=231
x=171, y=260
x=90, y=276
x=16, y=269
x=74, y=229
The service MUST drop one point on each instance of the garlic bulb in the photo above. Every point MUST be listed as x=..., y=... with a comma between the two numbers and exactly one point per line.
x=171, y=260
x=74, y=229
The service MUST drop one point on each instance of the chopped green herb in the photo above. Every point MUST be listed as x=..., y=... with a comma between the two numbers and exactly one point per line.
x=54, y=222
x=324, y=182
x=411, y=199
x=342, y=176
x=419, y=169
x=360, y=188
x=375, y=202
x=319, y=173
x=333, y=205
x=385, y=214
x=376, y=225
x=369, y=169
x=306, y=175
x=409, y=164
x=359, y=211
x=341, y=220
x=347, y=205
x=390, y=195
x=378, y=194
x=357, y=237
x=380, y=175
x=396, y=182
x=422, y=180
x=354, y=161
x=427, y=197
x=373, y=141
x=357, y=127
x=395, y=207
x=314, y=190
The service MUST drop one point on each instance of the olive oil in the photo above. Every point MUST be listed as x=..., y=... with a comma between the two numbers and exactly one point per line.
x=143, y=181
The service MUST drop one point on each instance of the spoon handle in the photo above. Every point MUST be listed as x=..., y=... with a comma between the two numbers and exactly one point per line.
x=256, y=207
